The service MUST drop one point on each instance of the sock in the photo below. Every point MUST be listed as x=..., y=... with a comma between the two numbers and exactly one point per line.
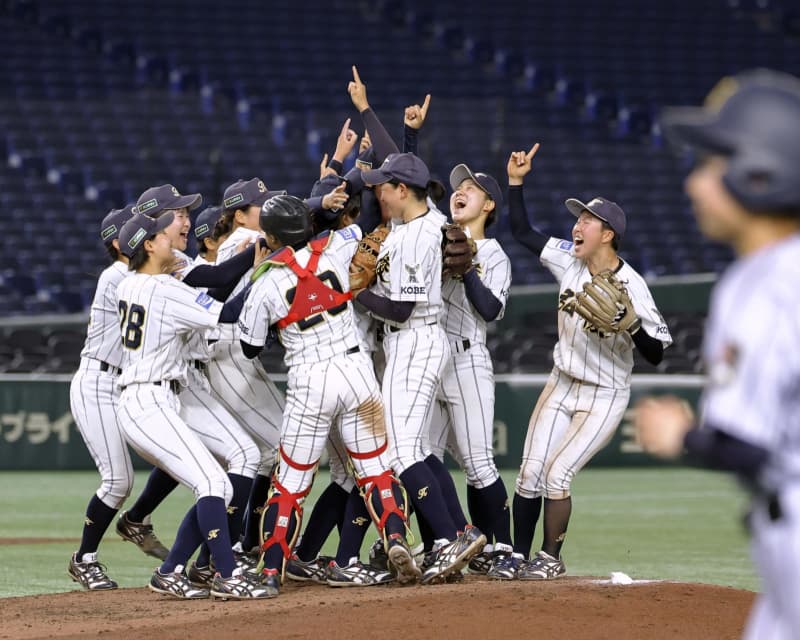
x=477, y=514
x=449, y=492
x=354, y=528
x=556, y=519
x=259, y=492
x=98, y=518
x=494, y=504
x=203, y=556
x=328, y=511
x=212, y=520
x=425, y=494
x=159, y=485
x=526, y=515
x=238, y=504
x=188, y=538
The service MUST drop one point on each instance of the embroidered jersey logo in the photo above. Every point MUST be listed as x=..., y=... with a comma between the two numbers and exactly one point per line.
x=382, y=268
x=360, y=521
x=212, y=535
x=411, y=270
x=422, y=493
x=566, y=301
x=347, y=233
x=242, y=327
x=412, y=290
x=565, y=245
x=204, y=300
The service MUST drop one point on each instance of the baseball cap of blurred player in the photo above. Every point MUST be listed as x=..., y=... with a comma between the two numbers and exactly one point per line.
x=244, y=193
x=608, y=211
x=138, y=229
x=112, y=223
x=403, y=167
x=486, y=182
x=204, y=225
x=157, y=199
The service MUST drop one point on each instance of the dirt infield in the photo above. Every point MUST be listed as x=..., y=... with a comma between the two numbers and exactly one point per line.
x=574, y=608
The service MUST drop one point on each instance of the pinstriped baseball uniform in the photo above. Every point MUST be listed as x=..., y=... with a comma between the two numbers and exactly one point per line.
x=329, y=377
x=588, y=390
x=751, y=357
x=409, y=268
x=93, y=396
x=242, y=385
x=158, y=314
x=230, y=443
x=467, y=389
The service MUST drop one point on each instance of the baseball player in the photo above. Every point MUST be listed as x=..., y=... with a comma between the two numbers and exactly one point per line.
x=305, y=292
x=467, y=387
x=588, y=390
x=242, y=385
x=407, y=298
x=745, y=193
x=93, y=400
x=205, y=233
x=156, y=314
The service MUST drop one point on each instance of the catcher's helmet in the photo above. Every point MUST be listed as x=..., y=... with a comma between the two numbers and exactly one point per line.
x=287, y=218
x=757, y=127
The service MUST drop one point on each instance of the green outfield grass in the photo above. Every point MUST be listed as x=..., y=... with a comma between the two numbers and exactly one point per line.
x=674, y=524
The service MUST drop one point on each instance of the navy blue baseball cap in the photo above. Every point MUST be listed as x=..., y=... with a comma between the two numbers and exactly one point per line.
x=486, y=182
x=608, y=211
x=112, y=223
x=204, y=225
x=403, y=167
x=138, y=229
x=244, y=193
x=157, y=199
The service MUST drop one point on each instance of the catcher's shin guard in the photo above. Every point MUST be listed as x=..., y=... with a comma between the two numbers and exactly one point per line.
x=384, y=497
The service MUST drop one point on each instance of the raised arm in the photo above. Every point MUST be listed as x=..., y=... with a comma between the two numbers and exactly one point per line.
x=519, y=165
x=382, y=143
x=413, y=119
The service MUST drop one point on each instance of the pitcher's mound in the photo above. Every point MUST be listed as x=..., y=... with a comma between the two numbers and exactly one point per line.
x=574, y=608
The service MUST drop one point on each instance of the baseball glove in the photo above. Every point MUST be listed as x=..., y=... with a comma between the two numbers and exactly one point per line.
x=457, y=251
x=362, y=266
x=605, y=304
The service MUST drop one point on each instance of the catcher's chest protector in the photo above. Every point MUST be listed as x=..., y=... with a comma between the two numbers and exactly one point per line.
x=312, y=296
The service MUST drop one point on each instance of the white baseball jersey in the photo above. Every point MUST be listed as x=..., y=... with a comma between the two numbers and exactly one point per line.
x=226, y=251
x=93, y=395
x=581, y=351
x=494, y=269
x=200, y=260
x=183, y=264
x=157, y=316
x=317, y=337
x=409, y=267
x=753, y=365
x=102, y=334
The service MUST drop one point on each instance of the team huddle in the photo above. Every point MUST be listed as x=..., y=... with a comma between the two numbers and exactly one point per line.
x=382, y=306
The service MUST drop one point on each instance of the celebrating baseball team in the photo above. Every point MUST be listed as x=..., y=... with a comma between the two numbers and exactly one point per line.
x=382, y=306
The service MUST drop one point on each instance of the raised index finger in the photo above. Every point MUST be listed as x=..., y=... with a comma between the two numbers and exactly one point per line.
x=345, y=128
x=426, y=104
x=356, y=77
x=532, y=152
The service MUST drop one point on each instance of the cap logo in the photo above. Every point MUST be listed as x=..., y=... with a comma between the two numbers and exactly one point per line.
x=146, y=206
x=262, y=188
x=596, y=201
x=109, y=231
x=199, y=231
x=137, y=237
x=233, y=200
x=175, y=192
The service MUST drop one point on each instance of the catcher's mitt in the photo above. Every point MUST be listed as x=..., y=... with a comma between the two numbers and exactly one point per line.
x=457, y=251
x=605, y=304
x=362, y=266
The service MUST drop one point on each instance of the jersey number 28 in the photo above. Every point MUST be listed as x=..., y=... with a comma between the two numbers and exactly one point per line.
x=131, y=321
